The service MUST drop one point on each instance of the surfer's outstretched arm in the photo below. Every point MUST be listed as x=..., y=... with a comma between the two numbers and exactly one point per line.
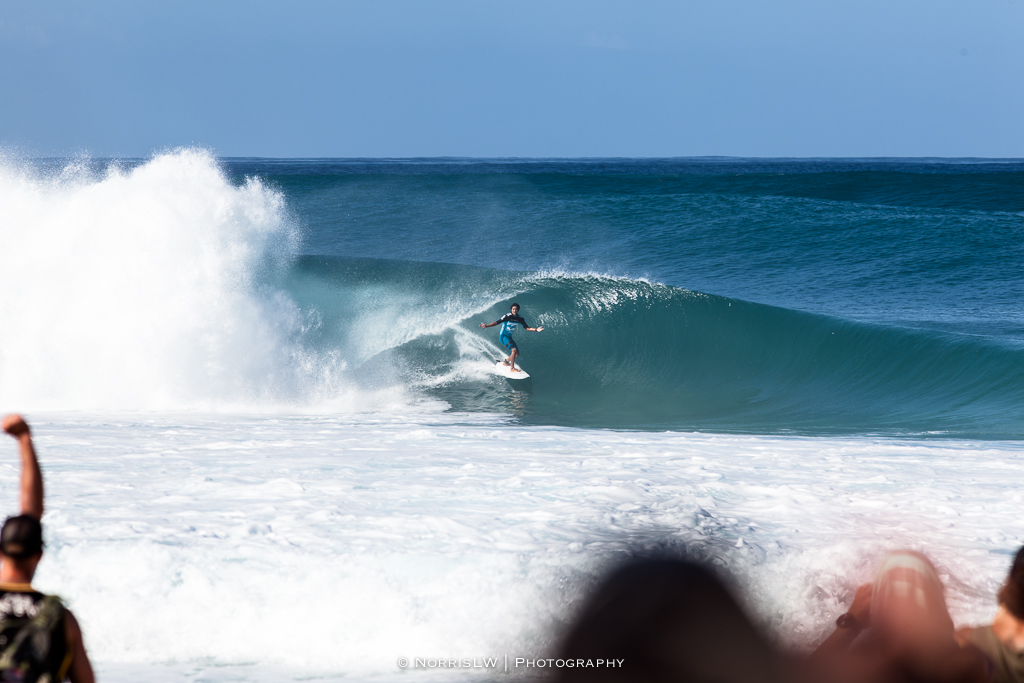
x=489, y=324
x=31, y=475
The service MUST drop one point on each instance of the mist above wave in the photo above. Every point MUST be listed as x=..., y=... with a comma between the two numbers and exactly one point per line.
x=145, y=287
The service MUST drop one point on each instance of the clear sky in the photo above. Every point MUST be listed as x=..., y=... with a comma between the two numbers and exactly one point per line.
x=391, y=78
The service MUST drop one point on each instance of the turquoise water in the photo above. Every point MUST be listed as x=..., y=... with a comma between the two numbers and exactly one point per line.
x=816, y=296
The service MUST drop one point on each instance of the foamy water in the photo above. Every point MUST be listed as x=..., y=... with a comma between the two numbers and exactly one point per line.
x=233, y=547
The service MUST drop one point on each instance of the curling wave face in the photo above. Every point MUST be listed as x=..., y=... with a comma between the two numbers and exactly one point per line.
x=628, y=353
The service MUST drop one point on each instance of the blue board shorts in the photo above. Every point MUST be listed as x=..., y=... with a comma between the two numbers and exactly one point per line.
x=508, y=342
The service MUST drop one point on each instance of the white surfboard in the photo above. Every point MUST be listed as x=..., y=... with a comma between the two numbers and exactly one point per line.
x=505, y=371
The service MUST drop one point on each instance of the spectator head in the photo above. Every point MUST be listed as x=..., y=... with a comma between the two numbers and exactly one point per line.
x=21, y=538
x=667, y=621
x=1011, y=595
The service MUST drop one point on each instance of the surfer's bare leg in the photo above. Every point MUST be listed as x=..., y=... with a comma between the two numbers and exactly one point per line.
x=512, y=360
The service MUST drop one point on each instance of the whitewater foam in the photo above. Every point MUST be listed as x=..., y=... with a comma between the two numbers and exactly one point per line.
x=333, y=545
x=149, y=287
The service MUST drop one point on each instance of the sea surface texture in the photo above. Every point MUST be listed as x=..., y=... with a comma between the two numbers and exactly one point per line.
x=275, y=450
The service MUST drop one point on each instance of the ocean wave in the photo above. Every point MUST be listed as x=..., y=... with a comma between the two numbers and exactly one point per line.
x=629, y=353
x=658, y=355
x=167, y=285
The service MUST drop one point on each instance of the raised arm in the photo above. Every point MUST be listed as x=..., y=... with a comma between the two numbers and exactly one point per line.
x=31, y=475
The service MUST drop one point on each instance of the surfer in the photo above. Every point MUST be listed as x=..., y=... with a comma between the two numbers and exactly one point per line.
x=509, y=322
x=40, y=639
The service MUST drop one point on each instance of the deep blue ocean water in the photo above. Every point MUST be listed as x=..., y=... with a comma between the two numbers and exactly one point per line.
x=816, y=296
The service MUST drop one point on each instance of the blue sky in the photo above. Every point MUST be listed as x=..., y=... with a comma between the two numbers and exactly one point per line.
x=392, y=78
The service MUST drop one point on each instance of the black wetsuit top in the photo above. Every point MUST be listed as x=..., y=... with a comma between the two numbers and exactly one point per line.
x=508, y=324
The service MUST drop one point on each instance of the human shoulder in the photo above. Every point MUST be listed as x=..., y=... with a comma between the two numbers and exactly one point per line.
x=79, y=667
x=71, y=628
x=1007, y=663
x=982, y=637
